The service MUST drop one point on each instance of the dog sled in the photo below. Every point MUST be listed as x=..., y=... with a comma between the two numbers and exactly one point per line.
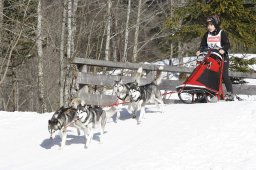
x=205, y=82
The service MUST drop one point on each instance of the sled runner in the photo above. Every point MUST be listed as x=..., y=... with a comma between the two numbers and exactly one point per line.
x=205, y=82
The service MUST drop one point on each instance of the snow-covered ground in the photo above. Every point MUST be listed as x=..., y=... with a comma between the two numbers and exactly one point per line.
x=214, y=136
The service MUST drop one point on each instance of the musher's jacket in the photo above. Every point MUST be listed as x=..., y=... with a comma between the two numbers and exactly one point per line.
x=216, y=39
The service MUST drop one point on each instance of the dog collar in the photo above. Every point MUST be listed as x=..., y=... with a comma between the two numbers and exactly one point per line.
x=123, y=98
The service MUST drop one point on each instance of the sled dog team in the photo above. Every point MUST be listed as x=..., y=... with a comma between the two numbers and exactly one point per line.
x=86, y=117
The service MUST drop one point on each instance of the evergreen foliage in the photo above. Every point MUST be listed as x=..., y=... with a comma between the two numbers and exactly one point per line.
x=236, y=19
x=241, y=65
x=238, y=64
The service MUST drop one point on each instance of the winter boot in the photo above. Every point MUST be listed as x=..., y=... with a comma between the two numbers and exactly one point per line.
x=229, y=96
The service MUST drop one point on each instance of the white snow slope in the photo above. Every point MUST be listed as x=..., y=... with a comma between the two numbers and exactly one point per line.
x=216, y=136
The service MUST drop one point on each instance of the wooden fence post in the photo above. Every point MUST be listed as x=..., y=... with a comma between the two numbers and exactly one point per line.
x=83, y=89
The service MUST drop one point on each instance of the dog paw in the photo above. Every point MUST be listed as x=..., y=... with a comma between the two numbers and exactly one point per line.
x=86, y=147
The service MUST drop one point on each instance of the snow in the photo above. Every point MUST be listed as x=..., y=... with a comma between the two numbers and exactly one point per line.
x=212, y=136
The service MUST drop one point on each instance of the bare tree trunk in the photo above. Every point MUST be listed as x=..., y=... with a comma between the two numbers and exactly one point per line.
x=40, y=60
x=62, y=42
x=1, y=25
x=136, y=36
x=171, y=45
x=127, y=32
x=17, y=95
x=69, y=39
x=107, y=48
x=115, y=37
x=87, y=53
x=73, y=25
x=69, y=54
x=171, y=54
x=180, y=57
x=114, y=47
x=70, y=71
x=14, y=77
x=101, y=43
x=15, y=91
x=8, y=99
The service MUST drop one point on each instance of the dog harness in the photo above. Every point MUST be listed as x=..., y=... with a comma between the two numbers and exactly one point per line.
x=142, y=93
x=122, y=98
x=126, y=94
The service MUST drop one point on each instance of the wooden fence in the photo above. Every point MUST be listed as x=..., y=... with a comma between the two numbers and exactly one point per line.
x=85, y=78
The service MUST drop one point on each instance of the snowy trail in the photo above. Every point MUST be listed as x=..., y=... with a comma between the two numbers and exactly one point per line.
x=218, y=136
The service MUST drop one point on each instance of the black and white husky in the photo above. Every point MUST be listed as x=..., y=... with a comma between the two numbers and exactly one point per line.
x=141, y=95
x=88, y=116
x=60, y=121
x=91, y=116
x=122, y=89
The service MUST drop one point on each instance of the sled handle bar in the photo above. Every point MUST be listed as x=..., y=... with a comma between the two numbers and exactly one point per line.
x=213, y=51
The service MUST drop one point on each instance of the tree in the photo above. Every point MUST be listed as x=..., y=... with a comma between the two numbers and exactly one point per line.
x=126, y=38
x=40, y=60
x=1, y=24
x=17, y=46
x=62, y=48
x=241, y=64
x=236, y=19
x=70, y=70
x=107, y=47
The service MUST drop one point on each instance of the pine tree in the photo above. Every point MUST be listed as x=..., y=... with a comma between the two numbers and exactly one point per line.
x=236, y=19
x=239, y=64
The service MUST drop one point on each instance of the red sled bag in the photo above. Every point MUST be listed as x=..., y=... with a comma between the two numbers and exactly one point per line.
x=205, y=82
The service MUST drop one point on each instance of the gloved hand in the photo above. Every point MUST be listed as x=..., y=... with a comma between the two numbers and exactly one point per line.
x=221, y=51
x=197, y=53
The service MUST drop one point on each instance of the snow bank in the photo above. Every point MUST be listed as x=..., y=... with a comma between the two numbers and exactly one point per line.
x=218, y=136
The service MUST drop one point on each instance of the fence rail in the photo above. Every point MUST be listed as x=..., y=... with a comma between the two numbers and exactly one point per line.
x=150, y=67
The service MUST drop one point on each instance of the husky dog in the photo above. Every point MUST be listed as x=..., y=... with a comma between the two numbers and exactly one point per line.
x=141, y=95
x=61, y=119
x=89, y=116
x=122, y=89
x=75, y=103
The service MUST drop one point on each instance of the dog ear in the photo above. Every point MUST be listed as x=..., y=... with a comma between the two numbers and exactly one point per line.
x=82, y=103
x=135, y=83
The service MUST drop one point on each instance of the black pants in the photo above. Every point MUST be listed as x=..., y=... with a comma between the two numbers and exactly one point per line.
x=225, y=76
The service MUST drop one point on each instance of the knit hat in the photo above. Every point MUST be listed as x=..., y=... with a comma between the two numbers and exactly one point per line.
x=215, y=20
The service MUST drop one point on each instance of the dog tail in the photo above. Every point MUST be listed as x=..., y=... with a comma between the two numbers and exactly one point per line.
x=138, y=75
x=110, y=112
x=158, y=78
